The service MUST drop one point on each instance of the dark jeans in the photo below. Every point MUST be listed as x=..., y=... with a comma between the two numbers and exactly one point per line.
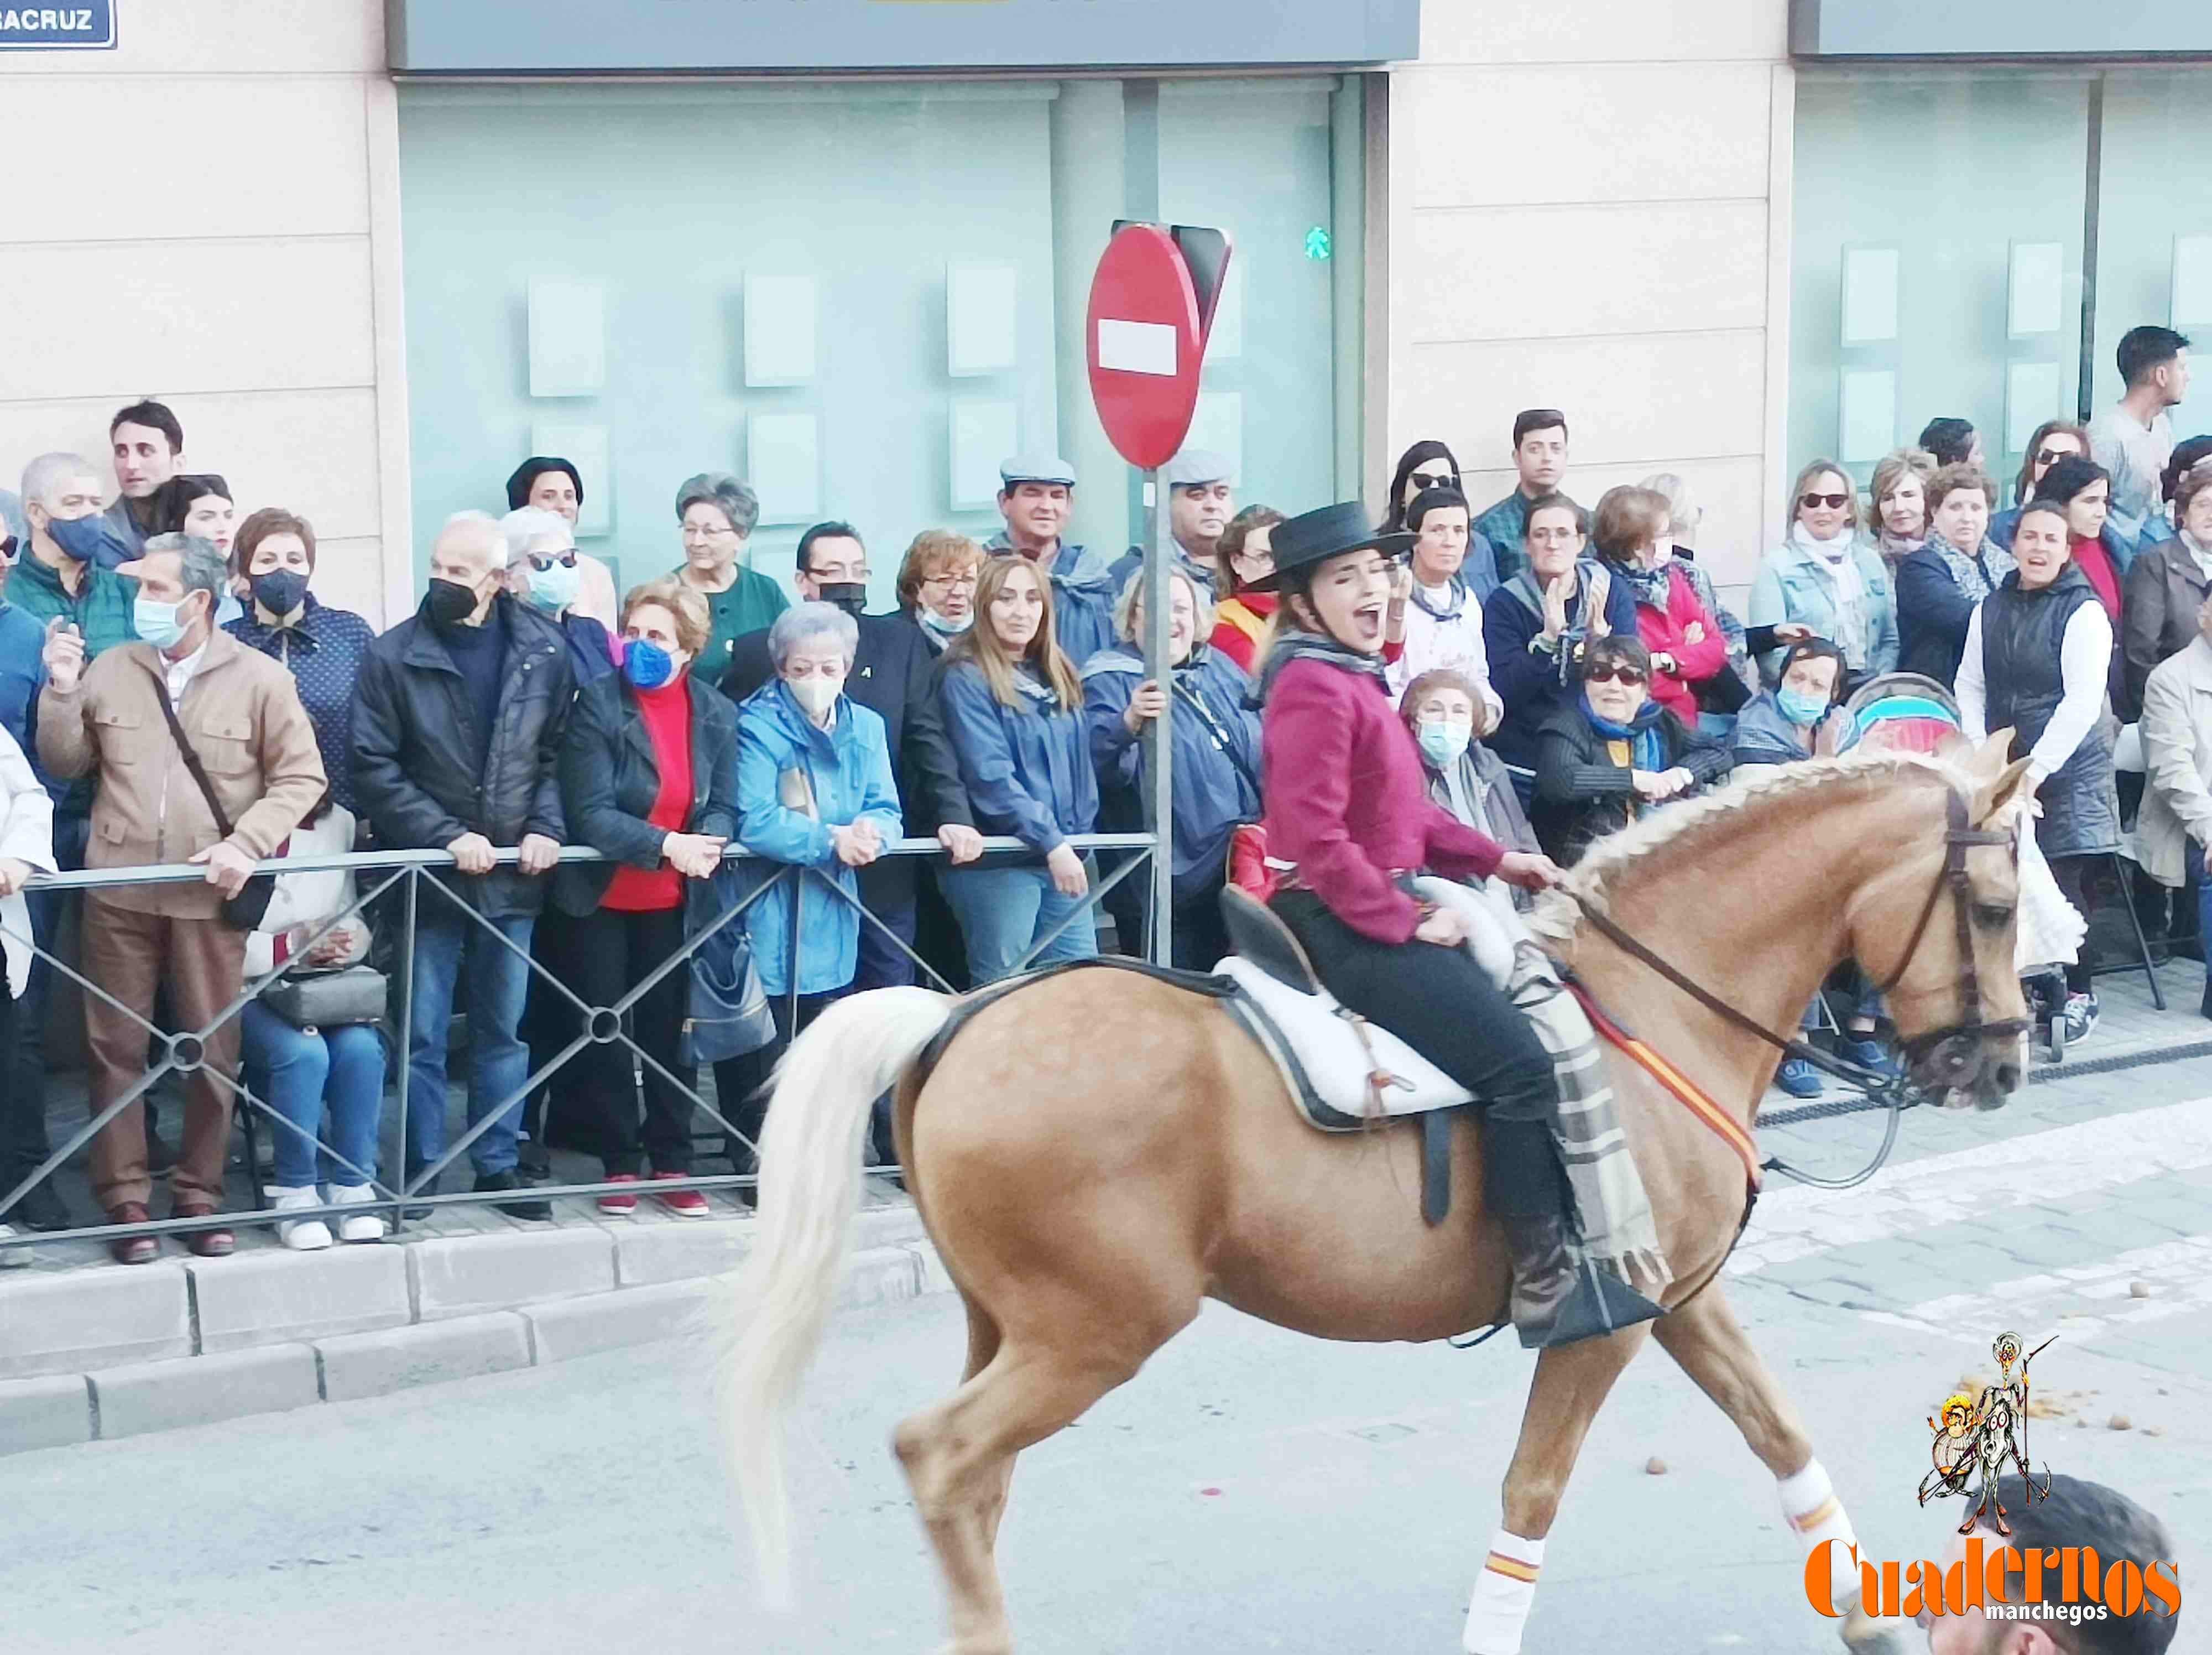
x=2201, y=880
x=23, y=1141
x=10, y=1173
x=615, y=952
x=1443, y=1005
x=883, y=964
x=2076, y=878
x=741, y=1083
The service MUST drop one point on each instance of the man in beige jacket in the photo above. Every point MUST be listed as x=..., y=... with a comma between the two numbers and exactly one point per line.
x=2174, y=828
x=241, y=713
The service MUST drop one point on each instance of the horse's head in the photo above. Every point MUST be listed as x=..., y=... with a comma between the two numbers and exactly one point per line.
x=1937, y=930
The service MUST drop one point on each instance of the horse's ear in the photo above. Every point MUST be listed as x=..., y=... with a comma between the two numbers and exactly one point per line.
x=1996, y=780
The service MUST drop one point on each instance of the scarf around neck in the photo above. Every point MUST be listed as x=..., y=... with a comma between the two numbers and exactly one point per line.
x=1650, y=585
x=1297, y=644
x=1641, y=733
x=1454, y=603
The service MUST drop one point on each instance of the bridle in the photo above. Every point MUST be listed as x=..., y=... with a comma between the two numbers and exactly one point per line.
x=1955, y=1041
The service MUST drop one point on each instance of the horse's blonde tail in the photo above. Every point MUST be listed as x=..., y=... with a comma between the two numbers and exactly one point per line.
x=809, y=1186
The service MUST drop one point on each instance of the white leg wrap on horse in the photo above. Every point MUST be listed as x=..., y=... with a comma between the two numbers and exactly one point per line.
x=1812, y=1509
x=1502, y=1595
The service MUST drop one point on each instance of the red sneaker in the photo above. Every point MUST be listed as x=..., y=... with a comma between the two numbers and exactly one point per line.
x=618, y=1200
x=685, y=1203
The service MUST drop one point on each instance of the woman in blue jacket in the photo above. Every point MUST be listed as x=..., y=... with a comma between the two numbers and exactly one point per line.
x=1215, y=764
x=1014, y=706
x=814, y=790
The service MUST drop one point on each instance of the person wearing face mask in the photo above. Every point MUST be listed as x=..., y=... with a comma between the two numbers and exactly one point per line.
x=1347, y=806
x=458, y=728
x=544, y=570
x=816, y=791
x=274, y=554
x=1446, y=712
x=2037, y=661
x=936, y=581
x=1823, y=579
x=1615, y=754
x=554, y=484
x=1688, y=648
x=1939, y=584
x=1436, y=611
x=649, y=780
x=1215, y=762
x=65, y=572
x=241, y=718
x=1013, y=705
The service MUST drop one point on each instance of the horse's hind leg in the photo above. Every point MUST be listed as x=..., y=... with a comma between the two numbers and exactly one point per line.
x=959, y=1457
x=1703, y=1337
x=1572, y=1383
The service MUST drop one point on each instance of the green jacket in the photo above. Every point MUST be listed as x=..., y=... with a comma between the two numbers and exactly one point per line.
x=752, y=602
x=101, y=607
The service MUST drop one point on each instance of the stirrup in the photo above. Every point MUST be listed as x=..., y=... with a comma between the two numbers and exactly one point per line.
x=1598, y=1304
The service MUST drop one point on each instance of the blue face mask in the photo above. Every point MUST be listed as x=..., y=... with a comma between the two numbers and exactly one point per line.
x=158, y=623
x=1443, y=740
x=647, y=664
x=1802, y=711
x=553, y=589
x=80, y=538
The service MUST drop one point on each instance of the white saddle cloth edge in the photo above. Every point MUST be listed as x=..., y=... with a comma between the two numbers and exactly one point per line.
x=1337, y=1063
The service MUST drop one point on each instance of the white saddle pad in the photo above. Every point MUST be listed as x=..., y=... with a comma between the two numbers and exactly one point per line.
x=1337, y=1062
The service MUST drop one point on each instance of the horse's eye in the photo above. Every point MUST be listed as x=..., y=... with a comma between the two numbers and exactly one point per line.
x=1994, y=915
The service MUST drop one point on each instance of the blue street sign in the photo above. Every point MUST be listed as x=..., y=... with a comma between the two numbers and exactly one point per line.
x=88, y=27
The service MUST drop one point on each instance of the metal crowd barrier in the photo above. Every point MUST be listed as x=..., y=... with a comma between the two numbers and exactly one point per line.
x=402, y=875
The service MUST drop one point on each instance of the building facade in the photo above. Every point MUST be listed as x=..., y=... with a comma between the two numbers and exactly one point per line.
x=375, y=252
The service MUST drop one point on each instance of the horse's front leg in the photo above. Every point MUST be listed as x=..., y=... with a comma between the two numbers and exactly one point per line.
x=1703, y=1337
x=1571, y=1385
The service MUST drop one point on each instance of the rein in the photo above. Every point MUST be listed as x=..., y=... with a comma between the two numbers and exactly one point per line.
x=1954, y=1041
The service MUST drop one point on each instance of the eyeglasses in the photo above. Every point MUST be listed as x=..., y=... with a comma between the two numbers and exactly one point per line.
x=1833, y=502
x=1432, y=480
x=968, y=578
x=1629, y=675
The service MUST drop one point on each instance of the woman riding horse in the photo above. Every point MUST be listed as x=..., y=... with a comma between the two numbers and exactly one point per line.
x=1347, y=805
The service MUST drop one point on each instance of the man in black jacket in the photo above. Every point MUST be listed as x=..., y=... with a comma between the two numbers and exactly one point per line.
x=457, y=723
x=894, y=674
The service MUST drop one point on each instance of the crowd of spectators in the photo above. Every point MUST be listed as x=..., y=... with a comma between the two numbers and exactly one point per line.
x=173, y=690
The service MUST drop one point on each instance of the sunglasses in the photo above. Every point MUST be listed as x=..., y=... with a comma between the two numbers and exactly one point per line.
x=2051, y=456
x=1432, y=480
x=1628, y=675
x=1833, y=502
x=541, y=561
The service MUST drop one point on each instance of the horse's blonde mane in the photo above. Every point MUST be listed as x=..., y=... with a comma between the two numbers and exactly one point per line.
x=1556, y=914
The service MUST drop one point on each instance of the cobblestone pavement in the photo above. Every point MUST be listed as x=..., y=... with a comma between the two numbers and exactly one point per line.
x=1252, y=1490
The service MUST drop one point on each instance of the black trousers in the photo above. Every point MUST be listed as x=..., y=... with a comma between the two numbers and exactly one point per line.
x=1441, y=1003
x=741, y=1083
x=614, y=953
x=2077, y=877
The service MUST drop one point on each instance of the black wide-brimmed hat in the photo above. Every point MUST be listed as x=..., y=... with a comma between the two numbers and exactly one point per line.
x=1316, y=536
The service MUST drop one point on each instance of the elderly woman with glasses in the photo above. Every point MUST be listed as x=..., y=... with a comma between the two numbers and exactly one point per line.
x=716, y=514
x=936, y=585
x=1823, y=579
x=544, y=570
x=1614, y=754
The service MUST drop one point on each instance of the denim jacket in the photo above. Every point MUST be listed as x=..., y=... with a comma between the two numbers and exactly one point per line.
x=1790, y=588
x=1028, y=771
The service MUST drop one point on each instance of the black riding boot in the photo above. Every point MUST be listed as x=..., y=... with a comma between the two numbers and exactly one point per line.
x=1559, y=1294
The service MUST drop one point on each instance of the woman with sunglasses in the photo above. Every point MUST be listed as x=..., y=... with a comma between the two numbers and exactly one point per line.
x=2052, y=442
x=1614, y=754
x=545, y=571
x=1822, y=578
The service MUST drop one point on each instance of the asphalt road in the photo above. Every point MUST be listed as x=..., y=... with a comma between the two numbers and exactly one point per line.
x=1251, y=1491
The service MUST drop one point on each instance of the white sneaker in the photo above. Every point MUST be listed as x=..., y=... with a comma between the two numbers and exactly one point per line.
x=357, y=1226
x=301, y=1235
x=13, y=1258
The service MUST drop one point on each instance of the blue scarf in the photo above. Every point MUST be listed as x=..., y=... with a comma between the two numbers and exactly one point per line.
x=1646, y=745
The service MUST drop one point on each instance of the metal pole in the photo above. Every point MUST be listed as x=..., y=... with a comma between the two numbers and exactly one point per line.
x=1159, y=742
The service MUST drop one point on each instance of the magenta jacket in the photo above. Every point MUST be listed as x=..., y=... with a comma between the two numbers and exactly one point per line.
x=1347, y=799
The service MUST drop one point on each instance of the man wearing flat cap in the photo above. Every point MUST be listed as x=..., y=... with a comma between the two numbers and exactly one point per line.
x=1201, y=489
x=1036, y=497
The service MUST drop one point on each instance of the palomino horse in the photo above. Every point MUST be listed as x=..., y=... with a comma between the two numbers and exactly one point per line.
x=1096, y=1153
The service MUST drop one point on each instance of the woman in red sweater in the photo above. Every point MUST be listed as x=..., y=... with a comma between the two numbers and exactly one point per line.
x=1632, y=536
x=1347, y=803
x=649, y=780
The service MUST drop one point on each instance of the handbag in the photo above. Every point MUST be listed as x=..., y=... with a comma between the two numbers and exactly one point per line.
x=329, y=999
x=244, y=911
x=727, y=1012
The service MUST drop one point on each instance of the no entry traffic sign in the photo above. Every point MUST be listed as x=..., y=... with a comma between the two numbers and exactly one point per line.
x=1152, y=303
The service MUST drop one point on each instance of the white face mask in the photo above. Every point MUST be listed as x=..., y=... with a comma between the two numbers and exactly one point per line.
x=816, y=696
